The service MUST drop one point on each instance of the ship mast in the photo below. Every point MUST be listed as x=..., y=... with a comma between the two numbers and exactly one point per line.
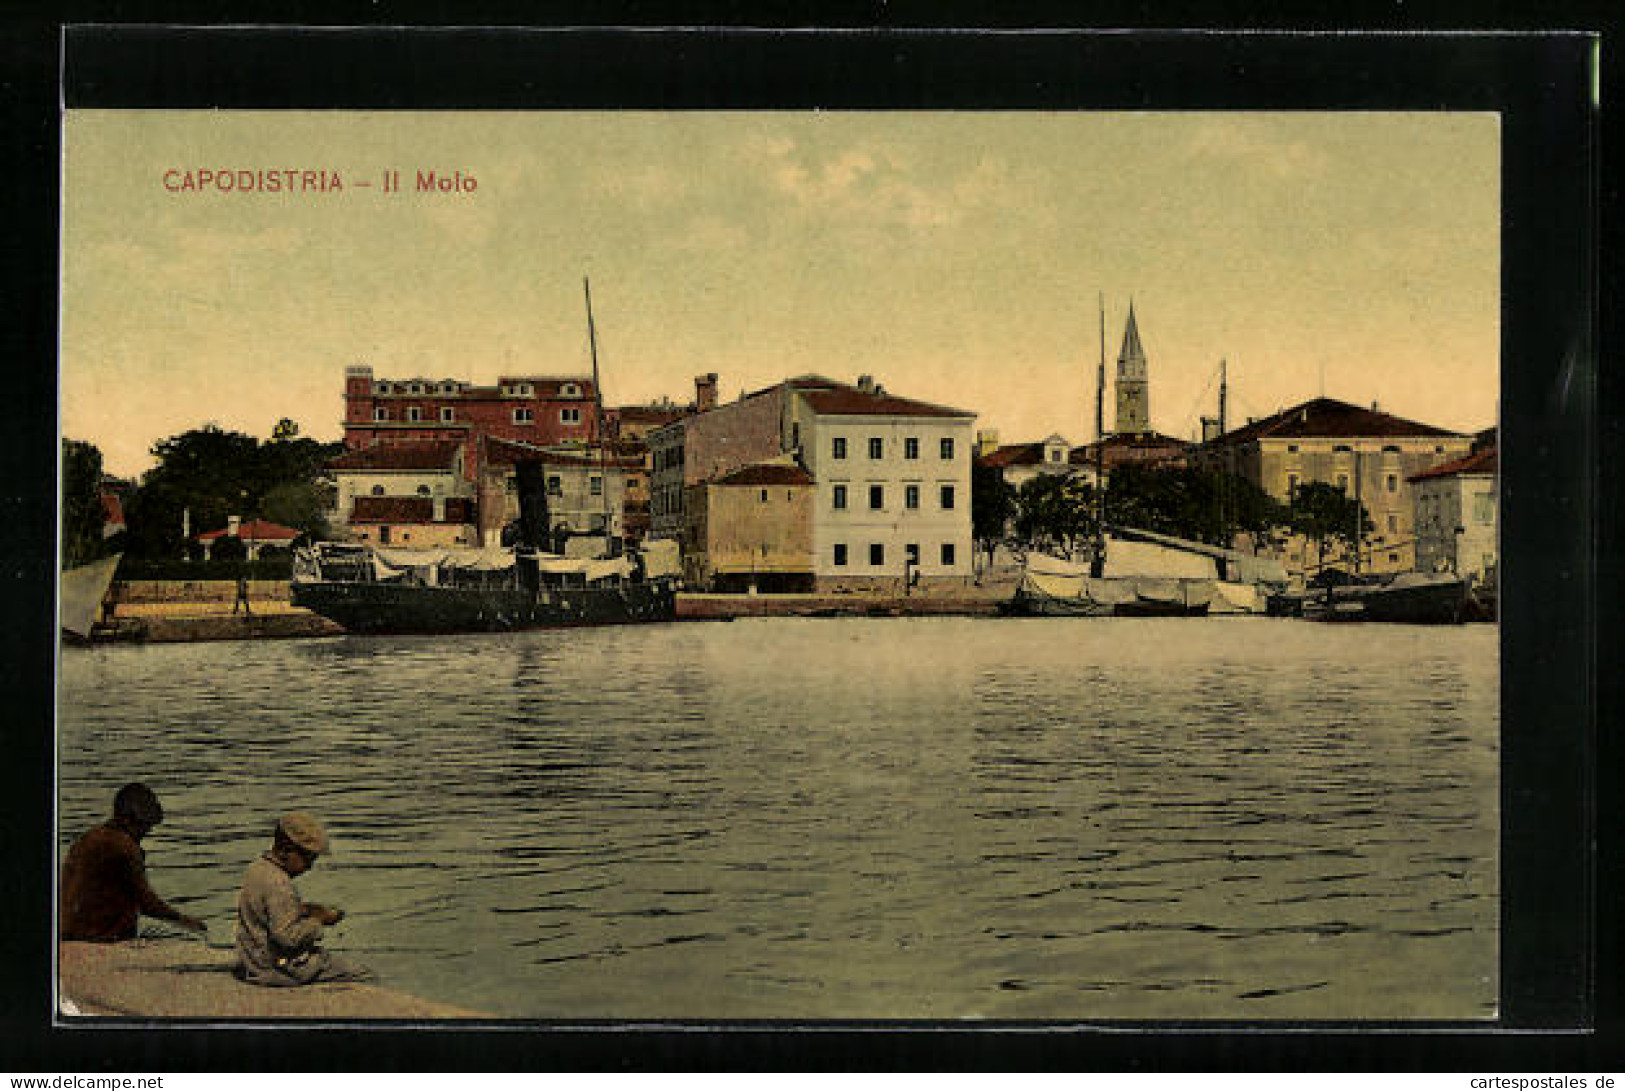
x=1097, y=564
x=598, y=411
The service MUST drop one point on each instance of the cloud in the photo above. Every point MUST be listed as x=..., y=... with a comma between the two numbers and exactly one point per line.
x=869, y=185
x=1251, y=142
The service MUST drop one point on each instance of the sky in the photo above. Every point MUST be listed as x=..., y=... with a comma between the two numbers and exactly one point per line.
x=958, y=258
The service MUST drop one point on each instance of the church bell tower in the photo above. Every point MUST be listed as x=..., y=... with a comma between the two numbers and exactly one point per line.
x=1133, y=387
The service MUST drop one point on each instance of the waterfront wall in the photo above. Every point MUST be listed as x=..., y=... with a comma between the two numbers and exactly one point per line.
x=177, y=591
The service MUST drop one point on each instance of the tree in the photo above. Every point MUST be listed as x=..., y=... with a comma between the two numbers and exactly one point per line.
x=285, y=429
x=992, y=506
x=1055, y=512
x=301, y=505
x=82, y=516
x=1324, y=513
x=213, y=474
x=1197, y=504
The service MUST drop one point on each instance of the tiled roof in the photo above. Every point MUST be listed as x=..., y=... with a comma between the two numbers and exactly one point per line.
x=1483, y=461
x=852, y=402
x=767, y=473
x=1327, y=418
x=1016, y=454
x=429, y=455
x=1129, y=441
x=254, y=530
x=112, y=510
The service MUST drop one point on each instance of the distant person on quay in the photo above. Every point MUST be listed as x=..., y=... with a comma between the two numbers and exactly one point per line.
x=242, y=597
x=278, y=933
x=104, y=878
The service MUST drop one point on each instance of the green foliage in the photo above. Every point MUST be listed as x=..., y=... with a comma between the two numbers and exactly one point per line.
x=1056, y=513
x=1324, y=513
x=214, y=474
x=1200, y=505
x=285, y=429
x=992, y=506
x=82, y=519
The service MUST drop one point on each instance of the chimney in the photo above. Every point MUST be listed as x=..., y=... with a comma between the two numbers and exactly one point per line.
x=234, y=523
x=1375, y=408
x=705, y=392
x=866, y=383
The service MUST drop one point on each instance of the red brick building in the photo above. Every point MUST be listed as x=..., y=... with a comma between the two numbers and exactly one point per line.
x=535, y=409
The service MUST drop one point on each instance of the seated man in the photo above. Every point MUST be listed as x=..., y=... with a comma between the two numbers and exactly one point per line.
x=277, y=932
x=104, y=878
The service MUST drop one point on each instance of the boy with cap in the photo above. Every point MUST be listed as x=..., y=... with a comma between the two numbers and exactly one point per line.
x=277, y=931
x=104, y=878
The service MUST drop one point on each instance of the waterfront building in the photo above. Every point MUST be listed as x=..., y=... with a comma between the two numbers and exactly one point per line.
x=630, y=426
x=414, y=495
x=585, y=489
x=1369, y=454
x=1456, y=515
x=1019, y=463
x=542, y=410
x=751, y=530
x=892, y=474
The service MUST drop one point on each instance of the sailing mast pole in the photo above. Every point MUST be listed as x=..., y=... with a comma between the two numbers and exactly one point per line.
x=1097, y=564
x=598, y=410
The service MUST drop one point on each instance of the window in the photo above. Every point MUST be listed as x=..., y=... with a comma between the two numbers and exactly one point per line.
x=1291, y=485
x=513, y=484
x=838, y=498
x=413, y=413
x=447, y=413
x=570, y=390
x=417, y=388
x=1393, y=482
x=947, y=447
x=795, y=435
x=569, y=416
x=911, y=447
x=764, y=496
x=555, y=485
x=1055, y=454
x=947, y=554
x=1390, y=449
x=911, y=497
x=378, y=490
x=877, y=555
x=595, y=485
x=1393, y=524
x=837, y=448
x=448, y=388
x=1342, y=449
x=876, y=447
x=947, y=497
x=423, y=490
x=911, y=554
x=523, y=416
x=1292, y=448
x=380, y=413
x=877, y=497
x=840, y=554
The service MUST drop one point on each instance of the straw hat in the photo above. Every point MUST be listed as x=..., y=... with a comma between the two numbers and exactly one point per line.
x=304, y=831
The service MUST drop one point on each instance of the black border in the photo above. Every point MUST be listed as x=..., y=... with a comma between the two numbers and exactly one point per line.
x=1540, y=86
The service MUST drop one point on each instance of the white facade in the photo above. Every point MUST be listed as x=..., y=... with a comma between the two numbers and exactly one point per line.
x=1456, y=524
x=890, y=494
x=438, y=485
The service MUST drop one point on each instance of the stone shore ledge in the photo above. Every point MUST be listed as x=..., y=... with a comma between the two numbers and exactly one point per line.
x=187, y=979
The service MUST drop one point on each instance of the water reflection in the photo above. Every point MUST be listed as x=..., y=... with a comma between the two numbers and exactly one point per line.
x=826, y=818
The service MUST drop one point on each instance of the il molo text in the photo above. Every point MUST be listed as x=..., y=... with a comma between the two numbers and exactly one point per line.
x=291, y=180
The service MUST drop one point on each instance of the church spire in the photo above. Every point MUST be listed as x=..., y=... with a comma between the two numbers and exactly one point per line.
x=1133, y=383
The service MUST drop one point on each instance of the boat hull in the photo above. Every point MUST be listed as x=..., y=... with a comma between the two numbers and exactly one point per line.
x=362, y=607
x=1439, y=603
